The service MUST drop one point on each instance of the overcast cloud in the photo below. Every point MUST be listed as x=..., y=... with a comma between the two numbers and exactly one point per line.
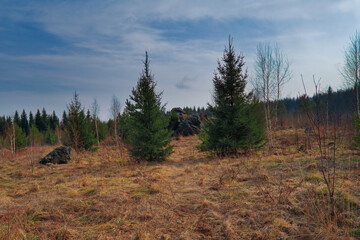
x=49, y=49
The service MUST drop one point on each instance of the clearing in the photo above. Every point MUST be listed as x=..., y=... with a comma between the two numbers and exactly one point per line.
x=193, y=195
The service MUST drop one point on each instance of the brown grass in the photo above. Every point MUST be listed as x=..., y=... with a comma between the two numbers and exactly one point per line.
x=191, y=196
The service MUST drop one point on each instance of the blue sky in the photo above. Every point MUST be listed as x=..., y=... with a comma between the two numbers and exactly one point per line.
x=49, y=49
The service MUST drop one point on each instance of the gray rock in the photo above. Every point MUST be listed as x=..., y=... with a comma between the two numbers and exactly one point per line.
x=174, y=122
x=191, y=125
x=59, y=155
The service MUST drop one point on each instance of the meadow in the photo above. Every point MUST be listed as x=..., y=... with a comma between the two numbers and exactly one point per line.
x=192, y=195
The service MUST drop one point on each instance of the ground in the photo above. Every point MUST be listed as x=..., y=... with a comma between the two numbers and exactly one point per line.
x=192, y=195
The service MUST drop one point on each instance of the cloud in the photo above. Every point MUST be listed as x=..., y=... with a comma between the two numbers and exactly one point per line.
x=184, y=83
x=106, y=41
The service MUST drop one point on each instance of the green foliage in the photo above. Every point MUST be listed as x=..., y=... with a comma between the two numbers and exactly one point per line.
x=53, y=121
x=39, y=122
x=78, y=131
x=235, y=125
x=21, y=139
x=24, y=124
x=34, y=135
x=50, y=137
x=17, y=118
x=31, y=120
x=102, y=129
x=306, y=105
x=2, y=125
x=124, y=126
x=148, y=134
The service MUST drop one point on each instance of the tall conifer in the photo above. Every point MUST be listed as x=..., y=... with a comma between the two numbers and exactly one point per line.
x=235, y=126
x=148, y=136
x=78, y=132
x=24, y=124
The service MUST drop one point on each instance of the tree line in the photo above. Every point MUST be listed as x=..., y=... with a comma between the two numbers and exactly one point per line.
x=239, y=120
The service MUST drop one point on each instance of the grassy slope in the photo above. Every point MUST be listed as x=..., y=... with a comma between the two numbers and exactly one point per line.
x=191, y=196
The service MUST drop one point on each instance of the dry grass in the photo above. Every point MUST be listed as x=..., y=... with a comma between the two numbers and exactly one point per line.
x=191, y=196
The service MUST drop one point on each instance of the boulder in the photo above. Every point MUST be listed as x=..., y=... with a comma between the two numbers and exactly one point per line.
x=190, y=125
x=59, y=155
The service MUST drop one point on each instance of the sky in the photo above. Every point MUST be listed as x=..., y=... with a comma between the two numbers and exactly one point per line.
x=50, y=48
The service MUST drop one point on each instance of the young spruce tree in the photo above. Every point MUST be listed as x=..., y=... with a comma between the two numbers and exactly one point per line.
x=235, y=125
x=149, y=137
x=77, y=127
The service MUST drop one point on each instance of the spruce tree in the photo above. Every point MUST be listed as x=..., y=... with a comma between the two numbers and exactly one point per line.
x=2, y=125
x=45, y=120
x=39, y=123
x=78, y=132
x=20, y=137
x=64, y=121
x=31, y=120
x=149, y=137
x=53, y=121
x=17, y=118
x=235, y=126
x=24, y=124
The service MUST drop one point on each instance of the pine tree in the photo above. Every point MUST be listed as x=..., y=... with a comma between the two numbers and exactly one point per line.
x=149, y=137
x=79, y=135
x=235, y=125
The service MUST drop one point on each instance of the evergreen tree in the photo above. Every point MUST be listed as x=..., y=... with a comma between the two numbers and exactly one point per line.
x=34, y=135
x=2, y=125
x=235, y=125
x=39, y=122
x=24, y=124
x=45, y=120
x=88, y=115
x=149, y=137
x=50, y=137
x=64, y=121
x=31, y=120
x=21, y=139
x=17, y=118
x=53, y=121
x=78, y=130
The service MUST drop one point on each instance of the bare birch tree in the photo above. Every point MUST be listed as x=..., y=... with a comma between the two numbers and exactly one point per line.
x=272, y=71
x=264, y=82
x=282, y=74
x=115, y=111
x=350, y=71
x=326, y=138
x=95, y=114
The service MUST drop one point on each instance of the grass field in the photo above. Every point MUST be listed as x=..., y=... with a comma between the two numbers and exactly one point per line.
x=193, y=195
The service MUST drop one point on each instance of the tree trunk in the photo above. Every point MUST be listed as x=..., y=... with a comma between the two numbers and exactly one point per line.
x=268, y=112
x=115, y=132
x=97, y=131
